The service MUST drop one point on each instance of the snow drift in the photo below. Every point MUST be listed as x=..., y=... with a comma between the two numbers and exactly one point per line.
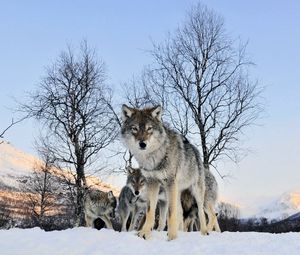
x=86, y=241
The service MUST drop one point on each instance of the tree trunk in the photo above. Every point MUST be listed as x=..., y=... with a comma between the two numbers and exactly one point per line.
x=80, y=183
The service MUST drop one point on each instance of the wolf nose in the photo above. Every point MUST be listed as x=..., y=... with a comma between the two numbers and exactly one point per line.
x=136, y=192
x=143, y=145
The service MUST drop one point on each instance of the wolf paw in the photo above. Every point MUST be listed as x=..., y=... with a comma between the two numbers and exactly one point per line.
x=172, y=236
x=144, y=234
x=204, y=232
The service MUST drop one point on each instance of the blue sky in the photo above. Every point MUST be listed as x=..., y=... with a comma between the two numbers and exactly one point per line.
x=34, y=32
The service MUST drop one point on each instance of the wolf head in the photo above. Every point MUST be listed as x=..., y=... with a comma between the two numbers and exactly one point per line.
x=135, y=181
x=142, y=130
x=103, y=202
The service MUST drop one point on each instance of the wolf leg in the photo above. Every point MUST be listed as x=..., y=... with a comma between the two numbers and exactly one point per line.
x=180, y=215
x=198, y=191
x=133, y=219
x=212, y=218
x=107, y=221
x=216, y=226
x=152, y=194
x=172, y=191
x=210, y=215
x=125, y=217
x=163, y=210
x=215, y=223
x=89, y=221
x=186, y=224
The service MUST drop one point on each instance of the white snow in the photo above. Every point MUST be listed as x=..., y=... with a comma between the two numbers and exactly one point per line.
x=87, y=241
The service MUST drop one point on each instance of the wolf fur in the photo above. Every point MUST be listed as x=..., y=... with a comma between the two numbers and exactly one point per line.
x=167, y=160
x=189, y=205
x=99, y=204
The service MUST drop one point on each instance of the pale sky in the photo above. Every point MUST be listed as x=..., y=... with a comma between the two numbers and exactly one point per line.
x=34, y=32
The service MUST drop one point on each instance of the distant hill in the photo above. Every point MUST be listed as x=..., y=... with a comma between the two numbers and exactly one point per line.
x=281, y=208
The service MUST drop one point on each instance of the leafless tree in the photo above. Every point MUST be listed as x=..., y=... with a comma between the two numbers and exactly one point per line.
x=72, y=102
x=41, y=190
x=226, y=210
x=201, y=77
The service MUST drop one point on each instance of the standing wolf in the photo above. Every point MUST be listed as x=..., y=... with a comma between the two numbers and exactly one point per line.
x=167, y=160
x=99, y=204
x=132, y=198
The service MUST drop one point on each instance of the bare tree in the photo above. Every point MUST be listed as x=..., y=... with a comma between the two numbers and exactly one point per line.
x=226, y=210
x=202, y=80
x=41, y=190
x=72, y=101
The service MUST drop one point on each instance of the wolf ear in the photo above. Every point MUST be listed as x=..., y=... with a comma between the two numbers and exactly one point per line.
x=157, y=112
x=129, y=170
x=110, y=194
x=126, y=112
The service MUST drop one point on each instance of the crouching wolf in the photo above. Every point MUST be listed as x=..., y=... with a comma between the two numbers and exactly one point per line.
x=167, y=160
x=99, y=204
x=132, y=200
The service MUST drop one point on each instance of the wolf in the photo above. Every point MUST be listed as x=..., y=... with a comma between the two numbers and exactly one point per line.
x=167, y=160
x=132, y=200
x=99, y=204
x=189, y=205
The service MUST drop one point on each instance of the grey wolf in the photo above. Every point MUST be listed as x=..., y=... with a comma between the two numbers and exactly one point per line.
x=132, y=199
x=99, y=204
x=167, y=160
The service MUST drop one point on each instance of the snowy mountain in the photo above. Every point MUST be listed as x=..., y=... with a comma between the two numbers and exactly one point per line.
x=295, y=216
x=286, y=205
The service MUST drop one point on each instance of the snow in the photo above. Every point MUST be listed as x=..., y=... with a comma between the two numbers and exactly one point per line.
x=87, y=241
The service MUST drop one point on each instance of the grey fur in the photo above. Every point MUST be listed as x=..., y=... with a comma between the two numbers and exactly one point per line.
x=167, y=160
x=99, y=204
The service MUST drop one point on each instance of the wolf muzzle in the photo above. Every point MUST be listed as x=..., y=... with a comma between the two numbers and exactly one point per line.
x=143, y=145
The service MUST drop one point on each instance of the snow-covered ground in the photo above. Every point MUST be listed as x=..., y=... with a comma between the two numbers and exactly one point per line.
x=86, y=241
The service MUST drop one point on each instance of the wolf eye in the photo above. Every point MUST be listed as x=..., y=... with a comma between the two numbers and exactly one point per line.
x=149, y=129
x=134, y=129
x=142, y=183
